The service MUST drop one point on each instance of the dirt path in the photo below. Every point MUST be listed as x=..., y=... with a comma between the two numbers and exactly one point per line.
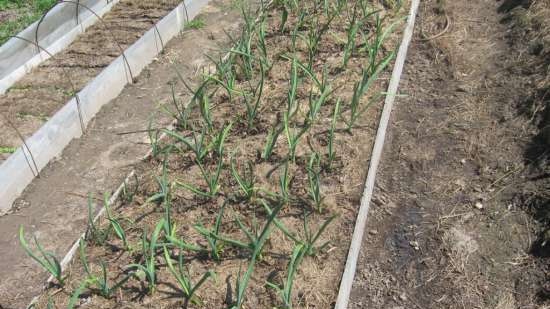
x=448, y=227
x=40, y=94
x=54, y=206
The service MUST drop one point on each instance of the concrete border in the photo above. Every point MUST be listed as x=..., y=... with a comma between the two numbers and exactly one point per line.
x=348, y=276
x=58, y=29
x=50, y=140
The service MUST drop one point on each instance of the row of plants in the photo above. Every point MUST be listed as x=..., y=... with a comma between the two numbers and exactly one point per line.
x=272, y=101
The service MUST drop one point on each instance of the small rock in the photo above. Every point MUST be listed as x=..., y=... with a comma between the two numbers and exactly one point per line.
x=463, y=161
x=478, y=205
x=373, y=232
x=415, y=245
x=403, y=297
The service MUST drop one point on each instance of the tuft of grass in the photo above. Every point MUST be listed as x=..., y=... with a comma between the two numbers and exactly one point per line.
x=7, y=150
x=197, y=23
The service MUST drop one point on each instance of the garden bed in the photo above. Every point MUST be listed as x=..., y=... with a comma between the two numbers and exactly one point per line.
x=30, y=102
x=271, y=146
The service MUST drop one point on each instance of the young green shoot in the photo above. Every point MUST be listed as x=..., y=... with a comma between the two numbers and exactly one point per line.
x=359, y=89
x=47, y=260
x=285, y=291
x=242, y=281
x=115, y=223
x=218, y=143
x=211, y=179
x=315, y=105
x=101, y=282
x=197, y=23
x=252, y=102
x=94, y=233
x=284, y=183
x=197, y=142
x=245, y=181
x=313, y=176
x=216, y=246
x=331, y=135
x=182, y=276
x=293, y=136
x=351, y=35
x=148, y=270
x=271, y=140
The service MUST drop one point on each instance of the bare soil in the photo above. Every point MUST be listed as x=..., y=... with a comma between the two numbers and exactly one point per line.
x=460, y=208
x=317, y=279
x=31, y=101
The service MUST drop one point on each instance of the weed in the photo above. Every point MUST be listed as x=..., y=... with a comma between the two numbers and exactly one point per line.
x=197, y=23
x=7, y=150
